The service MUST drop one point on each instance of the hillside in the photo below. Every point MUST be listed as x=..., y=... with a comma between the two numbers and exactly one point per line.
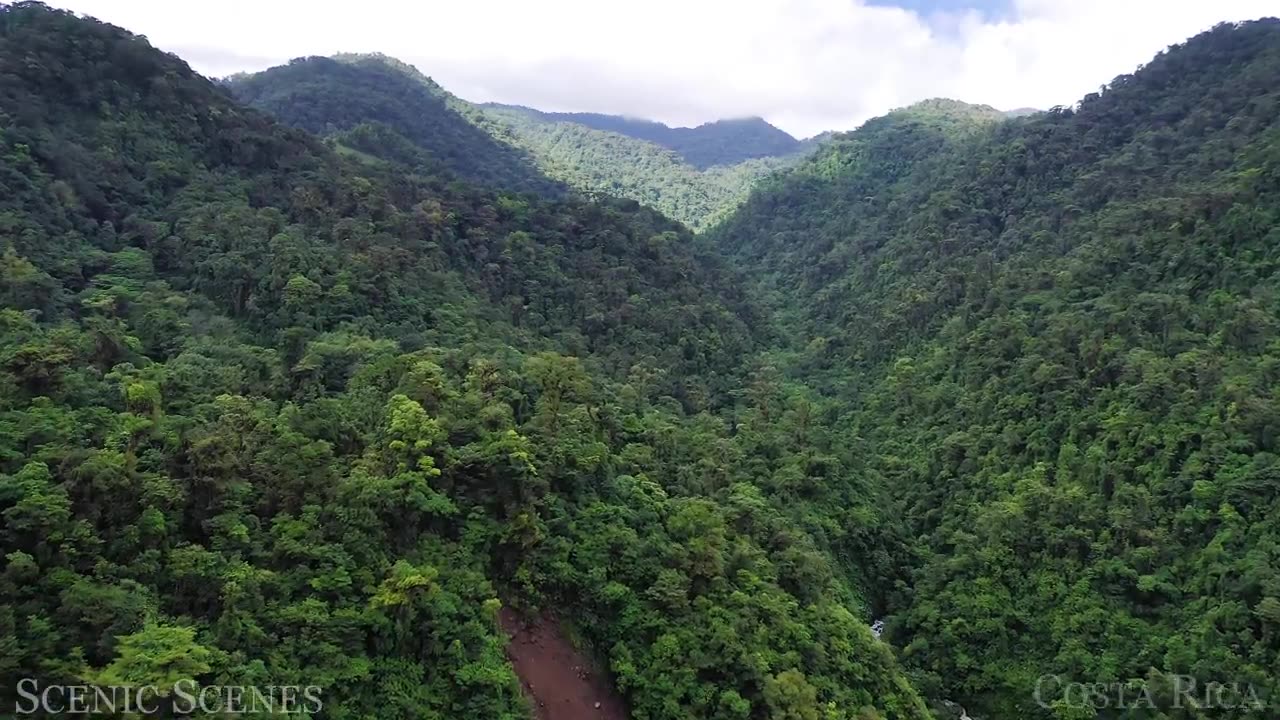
x=325, y=377
x=363, y=102
x=331, y=95
x=278, y=410
x=1055, y=342
x=722, y=142
x=728, y=142
x=614, y=164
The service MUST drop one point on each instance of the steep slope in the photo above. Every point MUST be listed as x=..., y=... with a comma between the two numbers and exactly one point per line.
x=613, y=164
x=279, y=413
x=328, y=95
x=1056, y=340
x=363, y=102
x=856, y=189
x=723, y=142
x=728, y=142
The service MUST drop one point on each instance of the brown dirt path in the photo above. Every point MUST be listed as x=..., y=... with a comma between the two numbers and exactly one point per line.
x=558, y=680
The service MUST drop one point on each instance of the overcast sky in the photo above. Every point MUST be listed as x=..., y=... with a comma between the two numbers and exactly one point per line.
x=804, y=65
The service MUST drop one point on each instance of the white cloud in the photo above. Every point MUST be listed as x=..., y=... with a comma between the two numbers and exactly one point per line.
x=805, y=65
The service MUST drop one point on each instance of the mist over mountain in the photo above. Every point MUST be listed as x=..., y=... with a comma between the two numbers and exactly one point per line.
x=1021, y=112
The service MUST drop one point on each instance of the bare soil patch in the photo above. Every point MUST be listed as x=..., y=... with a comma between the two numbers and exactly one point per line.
x=559, y=681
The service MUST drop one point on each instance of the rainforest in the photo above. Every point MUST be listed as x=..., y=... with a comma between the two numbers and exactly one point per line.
x=324, y=377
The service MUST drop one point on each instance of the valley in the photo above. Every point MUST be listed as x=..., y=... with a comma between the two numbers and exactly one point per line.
x=522, y=149
x=324, y=376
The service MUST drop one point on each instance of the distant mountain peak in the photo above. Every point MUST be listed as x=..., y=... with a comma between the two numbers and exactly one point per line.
x=384, y=60
x=1021, y=112
x=743, y=120
x=951, y=107
x=727, y=141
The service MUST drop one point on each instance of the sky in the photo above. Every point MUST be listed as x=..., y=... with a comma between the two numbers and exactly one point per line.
x=803, y=65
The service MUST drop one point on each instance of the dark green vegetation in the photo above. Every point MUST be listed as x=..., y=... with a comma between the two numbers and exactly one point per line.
x=380, y=106
x=276, y=410
x=723, y=142
x=361, y=99
x=1057, y=342
x=613, y=164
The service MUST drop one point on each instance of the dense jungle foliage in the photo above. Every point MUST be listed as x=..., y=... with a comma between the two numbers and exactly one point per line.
x=508, y=147
x=326, y=96
x=278, y=410
x=307, y=399
x=1055, y=341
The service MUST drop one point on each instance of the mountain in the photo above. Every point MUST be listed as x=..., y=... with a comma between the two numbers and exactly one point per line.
x=293, y=408
x=1055, y=341
x=723, y=142
x=726, y=142
x=1022, y=112
x=610, y=163
x=359, y=100
x=331, y=95
x=281, y=410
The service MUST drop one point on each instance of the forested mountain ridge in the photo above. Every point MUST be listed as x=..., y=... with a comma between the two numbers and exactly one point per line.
x=332, y=95
x=1055, y=340
x=281, y=409
x=722, y=142
x=508, y=147
x=276, y=410
x=615, y=164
